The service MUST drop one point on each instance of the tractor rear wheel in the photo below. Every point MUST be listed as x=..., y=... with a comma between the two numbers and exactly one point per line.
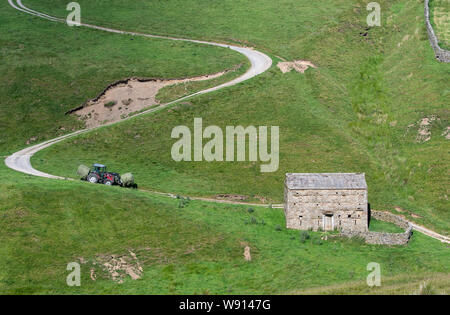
x=92, y=178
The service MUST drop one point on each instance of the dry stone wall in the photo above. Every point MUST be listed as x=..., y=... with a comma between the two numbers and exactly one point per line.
x=441, y=54
x=390, y=217
x=382, y=238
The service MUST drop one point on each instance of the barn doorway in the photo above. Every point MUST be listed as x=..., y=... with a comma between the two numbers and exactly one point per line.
x=328, y=222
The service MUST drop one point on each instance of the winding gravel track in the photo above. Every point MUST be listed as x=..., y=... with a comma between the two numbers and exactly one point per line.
x=20, y=161
x=260, y=63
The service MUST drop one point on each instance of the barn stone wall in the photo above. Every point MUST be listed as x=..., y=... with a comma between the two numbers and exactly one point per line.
x=305, y=209
x=441, y=54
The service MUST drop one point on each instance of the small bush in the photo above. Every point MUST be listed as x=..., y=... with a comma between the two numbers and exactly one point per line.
x=182, y=202
x=304, y=236
x=250, y=210
x=317, y=242
x=278, y=228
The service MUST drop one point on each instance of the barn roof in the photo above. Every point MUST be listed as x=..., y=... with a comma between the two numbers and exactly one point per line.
x=326, y=181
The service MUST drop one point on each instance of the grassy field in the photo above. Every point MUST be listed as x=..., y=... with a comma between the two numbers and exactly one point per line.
x=279, y=27
x=440, y=19
x=183, y=247
x=351, y=114
x=358, y=112
x=403, y=284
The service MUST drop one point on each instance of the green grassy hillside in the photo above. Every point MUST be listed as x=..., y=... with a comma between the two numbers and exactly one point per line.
x=48, y=68
x=273, y=26
x=183, y=247
x=440, y=19
x=358, y=112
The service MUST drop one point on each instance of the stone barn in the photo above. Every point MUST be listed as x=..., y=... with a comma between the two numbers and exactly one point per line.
x=326, y=201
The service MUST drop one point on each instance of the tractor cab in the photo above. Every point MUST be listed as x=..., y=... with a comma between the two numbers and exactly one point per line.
x=99, y=169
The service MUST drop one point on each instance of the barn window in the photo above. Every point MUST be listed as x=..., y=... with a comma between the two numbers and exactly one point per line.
x=349, y=215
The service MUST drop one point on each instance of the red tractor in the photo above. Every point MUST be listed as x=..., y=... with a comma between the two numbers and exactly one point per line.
x=100, y=175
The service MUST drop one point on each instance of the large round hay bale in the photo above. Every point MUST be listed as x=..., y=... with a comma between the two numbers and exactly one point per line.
x=127, y=179
x=83, y=171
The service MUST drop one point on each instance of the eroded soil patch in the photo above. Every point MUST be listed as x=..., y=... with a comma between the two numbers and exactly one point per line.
x=424, y=128
x=123, y=98
x=232, y=197
x=240, y=198
x=298, y=65
x=129, y=265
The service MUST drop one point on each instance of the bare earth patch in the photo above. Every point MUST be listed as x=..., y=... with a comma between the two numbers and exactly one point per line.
x=126, y=97
x=297, y=65
x=424, y=129
x=446, y=133
x=399, y=209
x=404, y=39
x=232, y=197
x=239, y=198
x=114, y=267
x=247, y=255
x=424, y=133
x=120, y=266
